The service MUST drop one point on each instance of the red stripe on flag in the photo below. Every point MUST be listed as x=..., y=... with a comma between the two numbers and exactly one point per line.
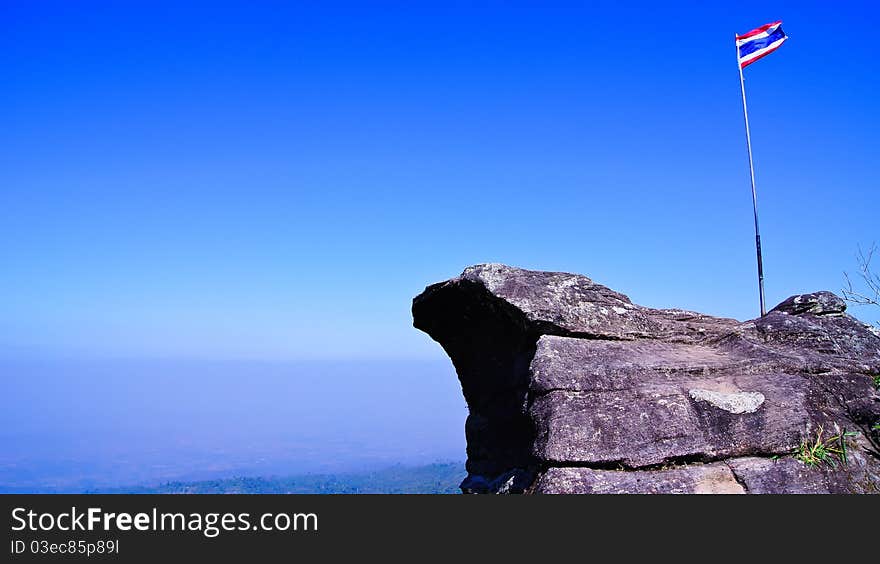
x=761, y=29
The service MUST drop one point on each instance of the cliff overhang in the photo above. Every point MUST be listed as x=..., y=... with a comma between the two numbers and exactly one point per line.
x=572, y=388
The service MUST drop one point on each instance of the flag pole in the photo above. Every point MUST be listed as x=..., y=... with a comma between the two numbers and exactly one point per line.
x=742, y=85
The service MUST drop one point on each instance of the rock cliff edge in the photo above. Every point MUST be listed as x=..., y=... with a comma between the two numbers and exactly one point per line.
x=572, y=388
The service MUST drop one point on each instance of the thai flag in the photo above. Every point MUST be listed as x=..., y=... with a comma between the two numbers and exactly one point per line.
x=759, y=43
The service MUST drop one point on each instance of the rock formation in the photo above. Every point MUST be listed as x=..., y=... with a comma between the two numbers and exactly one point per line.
x=572, y=388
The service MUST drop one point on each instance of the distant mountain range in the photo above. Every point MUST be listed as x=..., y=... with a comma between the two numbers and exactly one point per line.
x=437, y=478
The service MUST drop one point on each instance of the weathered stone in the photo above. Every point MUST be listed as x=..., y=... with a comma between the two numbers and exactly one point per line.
x=714, y=478
x=818, y=303
x=573, y=388
x=786, y=475
x=656, y=421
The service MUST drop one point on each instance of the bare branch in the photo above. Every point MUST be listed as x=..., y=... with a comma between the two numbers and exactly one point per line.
x=870, y=293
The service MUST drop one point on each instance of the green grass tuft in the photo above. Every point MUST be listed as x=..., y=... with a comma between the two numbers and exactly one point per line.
x=829, y=451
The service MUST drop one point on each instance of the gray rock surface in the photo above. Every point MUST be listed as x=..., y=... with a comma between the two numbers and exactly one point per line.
x=572, y=388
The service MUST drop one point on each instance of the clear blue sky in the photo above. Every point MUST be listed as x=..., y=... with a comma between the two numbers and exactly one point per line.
x=277, y=180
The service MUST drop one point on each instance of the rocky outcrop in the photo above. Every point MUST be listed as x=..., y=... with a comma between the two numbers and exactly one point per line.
x=572, y=388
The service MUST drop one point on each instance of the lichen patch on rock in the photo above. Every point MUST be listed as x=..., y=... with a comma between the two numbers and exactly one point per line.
x=735, y=402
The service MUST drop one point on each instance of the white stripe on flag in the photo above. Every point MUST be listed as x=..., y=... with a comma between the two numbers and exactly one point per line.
x=759, y=52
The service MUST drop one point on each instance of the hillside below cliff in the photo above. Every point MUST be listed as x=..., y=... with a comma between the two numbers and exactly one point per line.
x=572, y=388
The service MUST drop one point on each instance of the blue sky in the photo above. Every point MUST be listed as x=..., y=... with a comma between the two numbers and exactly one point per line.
x=276, y=181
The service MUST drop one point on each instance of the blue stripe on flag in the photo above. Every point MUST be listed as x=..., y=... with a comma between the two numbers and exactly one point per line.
x=761, y=43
